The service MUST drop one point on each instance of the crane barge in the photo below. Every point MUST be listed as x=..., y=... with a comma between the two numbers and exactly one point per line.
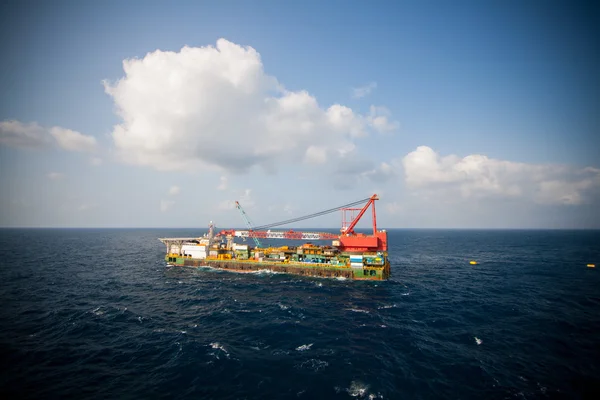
x=351, y=255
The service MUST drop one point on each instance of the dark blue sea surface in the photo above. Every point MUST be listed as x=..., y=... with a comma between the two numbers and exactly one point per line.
x=95, y=313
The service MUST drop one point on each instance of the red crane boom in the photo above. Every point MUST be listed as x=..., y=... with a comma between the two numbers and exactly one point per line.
x=348, y=240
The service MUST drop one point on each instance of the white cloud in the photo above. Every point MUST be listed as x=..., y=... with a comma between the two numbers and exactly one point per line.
x=345, y=150
x=55, y=176
x=96, y=161
x=572, y=192
x=222, y=183
x=383, y=173
x=315, y=155
x=379, y=120
x=343, y=120
x=215, y=107
x=362, y=91
x=174, y=190
x=73, y=140
x=477, y=176
x=352, y=170
x=23, y=135
x=165, y=205
x=31, y=135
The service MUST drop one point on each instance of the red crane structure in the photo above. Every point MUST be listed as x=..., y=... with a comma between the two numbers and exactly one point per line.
x=348, y=240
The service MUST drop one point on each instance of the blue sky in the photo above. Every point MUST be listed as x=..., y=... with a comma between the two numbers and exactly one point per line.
x=471, y=114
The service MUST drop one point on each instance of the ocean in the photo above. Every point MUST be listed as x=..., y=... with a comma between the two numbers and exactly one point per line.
x=96, y=314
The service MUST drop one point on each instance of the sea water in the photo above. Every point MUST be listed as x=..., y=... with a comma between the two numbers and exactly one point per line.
x=96, y=313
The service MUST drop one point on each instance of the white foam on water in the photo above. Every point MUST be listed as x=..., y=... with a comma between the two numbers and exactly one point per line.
x=478, y=341
x=313, y=364
x=357, y=389
x=265, y=272
x=358, y=310
x=218, y=346
x=405, y=294
x=98, y=311
x=283, y=307
x=304, y=347
x=207, y=267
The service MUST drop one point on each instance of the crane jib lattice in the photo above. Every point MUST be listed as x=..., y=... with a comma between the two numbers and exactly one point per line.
x=314, y=215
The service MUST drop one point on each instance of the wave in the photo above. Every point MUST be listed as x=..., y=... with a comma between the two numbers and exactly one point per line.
x=304, y=347
x=358, y=310
x=218, y=346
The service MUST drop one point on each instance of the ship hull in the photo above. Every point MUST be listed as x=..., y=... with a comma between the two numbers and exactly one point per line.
x=304, y=269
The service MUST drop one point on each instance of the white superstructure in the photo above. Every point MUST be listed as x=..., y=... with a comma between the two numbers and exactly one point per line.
x=193, y=247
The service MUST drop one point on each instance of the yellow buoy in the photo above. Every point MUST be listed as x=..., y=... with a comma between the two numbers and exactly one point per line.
x=591, y=266
x=473, y=262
